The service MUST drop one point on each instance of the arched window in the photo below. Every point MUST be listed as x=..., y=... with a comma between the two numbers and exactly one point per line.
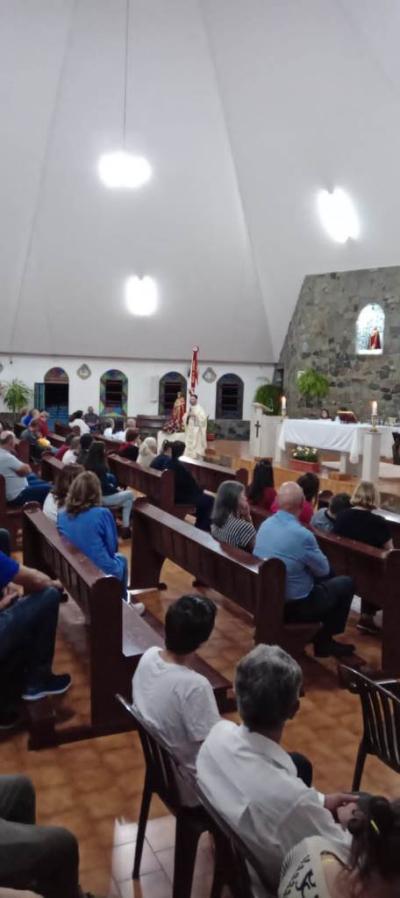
x=229, y=397
x=113, y=393
x=370, y=330
x=170, y=385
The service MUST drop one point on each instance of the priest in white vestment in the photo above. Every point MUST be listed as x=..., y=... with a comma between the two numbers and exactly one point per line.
x=195, y=424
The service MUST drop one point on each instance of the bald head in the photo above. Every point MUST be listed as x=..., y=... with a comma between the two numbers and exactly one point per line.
x=290, y=498
x=7, y=439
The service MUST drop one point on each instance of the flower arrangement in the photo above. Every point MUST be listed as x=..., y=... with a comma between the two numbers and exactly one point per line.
x=305, y=453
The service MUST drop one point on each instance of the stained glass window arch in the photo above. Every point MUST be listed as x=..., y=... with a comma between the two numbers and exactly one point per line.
x=370, y=330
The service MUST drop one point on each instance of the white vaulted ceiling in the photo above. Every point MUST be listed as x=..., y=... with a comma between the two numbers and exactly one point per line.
x=244, y=109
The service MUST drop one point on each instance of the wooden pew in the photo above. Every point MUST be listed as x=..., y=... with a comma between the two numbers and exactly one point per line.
x=209, y=476
x=116, y=636
x=254, y=584
x=50, y=467
x=61, y=429
x=18, y=429
x=149, y=425
x=157, y=486
x=376, y=575
x=56, y=440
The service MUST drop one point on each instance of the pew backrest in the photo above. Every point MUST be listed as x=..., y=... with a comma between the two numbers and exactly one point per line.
x=157, y=486
x=50, y=467
x=209, y=476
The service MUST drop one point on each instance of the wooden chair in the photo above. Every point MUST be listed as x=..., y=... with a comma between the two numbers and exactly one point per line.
x=232, y=858
x=381, y=720
x=161, y=780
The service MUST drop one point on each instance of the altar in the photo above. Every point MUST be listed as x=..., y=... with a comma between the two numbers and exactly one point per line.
x=356, y=444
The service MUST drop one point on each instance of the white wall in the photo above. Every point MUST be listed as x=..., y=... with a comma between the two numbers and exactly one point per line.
x=143, y=377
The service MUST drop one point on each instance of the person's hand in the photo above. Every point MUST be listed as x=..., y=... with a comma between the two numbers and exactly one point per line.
x=337, y=800
x=11, y=594
x=345, y=813
x=57, y=585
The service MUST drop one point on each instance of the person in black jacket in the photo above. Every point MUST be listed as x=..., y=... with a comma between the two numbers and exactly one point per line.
x=129, y=449
x=187, y=490
x=162, y=461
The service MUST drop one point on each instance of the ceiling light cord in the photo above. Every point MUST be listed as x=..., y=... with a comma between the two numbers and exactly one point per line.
x=126, y=68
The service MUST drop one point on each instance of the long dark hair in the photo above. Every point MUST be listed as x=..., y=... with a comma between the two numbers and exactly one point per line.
x=263, y=477
x=310, y=485
x=96, y=460
x=375, y=828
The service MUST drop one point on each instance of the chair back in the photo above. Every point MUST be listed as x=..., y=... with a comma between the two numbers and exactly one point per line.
x=160, y=768
x=233, y=855
x=381, y=715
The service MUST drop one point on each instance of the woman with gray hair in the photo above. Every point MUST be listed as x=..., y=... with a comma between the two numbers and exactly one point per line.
x=231, y=520
x=249, y=777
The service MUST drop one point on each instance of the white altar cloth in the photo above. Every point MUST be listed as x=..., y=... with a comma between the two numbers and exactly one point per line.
x=332, y=436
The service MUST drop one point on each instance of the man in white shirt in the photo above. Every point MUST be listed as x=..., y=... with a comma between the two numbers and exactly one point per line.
x=251, y=780
x=21, y=485
x=76, y=420
x=175, y=700
x=71, y=455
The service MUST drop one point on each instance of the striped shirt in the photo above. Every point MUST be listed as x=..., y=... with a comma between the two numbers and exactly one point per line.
x=236, y=531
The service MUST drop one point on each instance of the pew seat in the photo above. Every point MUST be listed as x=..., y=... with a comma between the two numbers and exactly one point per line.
x=256, y=585
x=115, y=636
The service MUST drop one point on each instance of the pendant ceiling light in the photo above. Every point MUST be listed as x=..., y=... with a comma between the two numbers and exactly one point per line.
x=141, y=295
x=119, y=169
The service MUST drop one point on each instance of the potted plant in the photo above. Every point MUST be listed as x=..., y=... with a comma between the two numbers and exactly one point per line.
x=16, y=395
x=312, y=385
x=211, y=429
x=269, y=396
x=304, y=459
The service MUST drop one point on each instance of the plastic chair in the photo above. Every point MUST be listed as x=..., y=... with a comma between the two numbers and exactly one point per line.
x=381, y=719
x=161, y=779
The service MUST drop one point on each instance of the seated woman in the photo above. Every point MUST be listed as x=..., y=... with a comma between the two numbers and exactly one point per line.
x=231, y=520
x=70, y=457
x=129, y=449
x=86, y=441
x=112, y=497
x=147, y=452
x=162, y=461
x=108, y=429
x=91, y=528
x=55, y=500
x=368, y=868
x=359, y=522
x=187, y=490
x=261, y=490
x=65, y=446
x=310, y=485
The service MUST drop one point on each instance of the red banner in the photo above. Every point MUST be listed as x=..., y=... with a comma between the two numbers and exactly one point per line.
x=194, y=369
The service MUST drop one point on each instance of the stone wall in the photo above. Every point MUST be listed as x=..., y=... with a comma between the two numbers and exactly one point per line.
x=322, y=335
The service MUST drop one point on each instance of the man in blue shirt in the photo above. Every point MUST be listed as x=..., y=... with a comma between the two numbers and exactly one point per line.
x=311, y=594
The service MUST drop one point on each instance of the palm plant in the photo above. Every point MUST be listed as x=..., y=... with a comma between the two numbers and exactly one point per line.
x=16, y=395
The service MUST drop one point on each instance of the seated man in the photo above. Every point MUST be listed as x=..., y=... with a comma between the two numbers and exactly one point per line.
x=28, y=626
x=310, y=594
x=43, y=858
x=21, y=485
x=129, y=449
x=251, y=780
x=324, y=518
x=32, y=436
x=91, y=419
x=163, y=459
x=178, y=702
x=187, y=490
x=43, y=421
x=76, y=421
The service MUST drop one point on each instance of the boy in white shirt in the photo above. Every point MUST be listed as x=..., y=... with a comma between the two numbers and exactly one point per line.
x=178, y=702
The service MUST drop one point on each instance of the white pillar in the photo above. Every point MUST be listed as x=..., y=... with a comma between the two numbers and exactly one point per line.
x=371, y=455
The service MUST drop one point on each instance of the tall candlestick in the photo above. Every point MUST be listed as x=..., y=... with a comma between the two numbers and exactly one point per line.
x=283, y=405
x=374, y=411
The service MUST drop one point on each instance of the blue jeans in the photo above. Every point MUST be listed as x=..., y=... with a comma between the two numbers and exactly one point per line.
x=124, y=578
x=124, y=500
x=29, y=628
x=36, y=491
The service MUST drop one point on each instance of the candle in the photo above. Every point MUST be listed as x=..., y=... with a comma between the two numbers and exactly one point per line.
x=283, y=404
x=374, y=408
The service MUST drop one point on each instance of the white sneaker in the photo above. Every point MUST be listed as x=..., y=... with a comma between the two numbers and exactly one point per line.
x=139, y=607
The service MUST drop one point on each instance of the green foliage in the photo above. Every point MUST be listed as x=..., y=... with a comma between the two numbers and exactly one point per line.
x=16, y=395
x=269, y=395
x=305, y=453
x=313, y=385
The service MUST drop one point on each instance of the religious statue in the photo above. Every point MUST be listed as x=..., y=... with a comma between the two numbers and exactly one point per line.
x=195, y=423
x=178, y=412
x=374, y=341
